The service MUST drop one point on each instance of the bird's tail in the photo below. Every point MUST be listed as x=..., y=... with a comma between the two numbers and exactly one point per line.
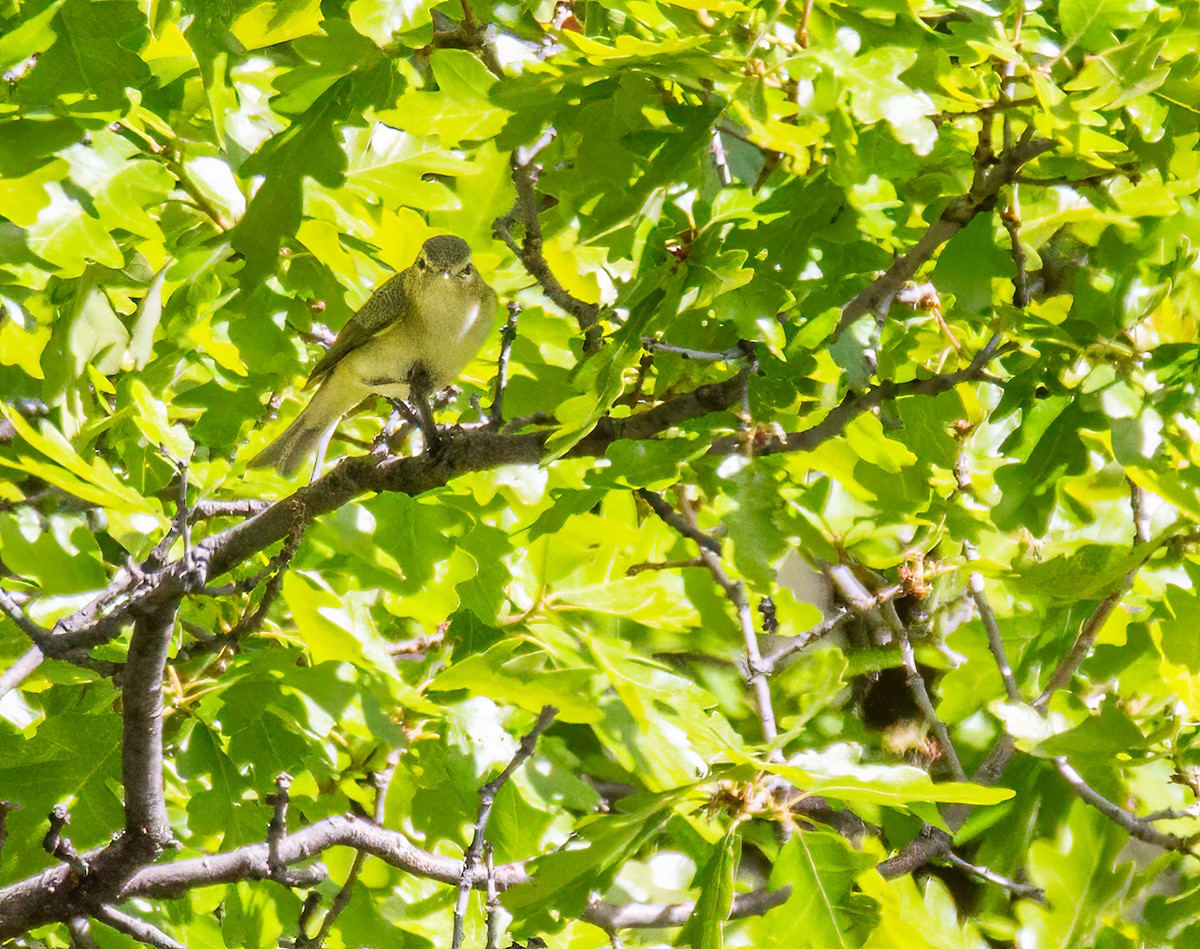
x=309, y=433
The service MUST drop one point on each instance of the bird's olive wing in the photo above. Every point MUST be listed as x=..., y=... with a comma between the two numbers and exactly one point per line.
x=386, y=306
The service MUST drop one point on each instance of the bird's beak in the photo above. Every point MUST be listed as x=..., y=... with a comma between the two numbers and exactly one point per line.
x=446, y=274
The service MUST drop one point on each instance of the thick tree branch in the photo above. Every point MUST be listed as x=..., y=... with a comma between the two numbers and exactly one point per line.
x=102, y=619
x=252, y=862
x=56, y=896
x=141, y=736
x=460, y=453
x=51, y=895
x=92, y=879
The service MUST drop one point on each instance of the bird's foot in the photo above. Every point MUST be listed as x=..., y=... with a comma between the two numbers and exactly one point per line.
x=435, y=439
x=400, y=422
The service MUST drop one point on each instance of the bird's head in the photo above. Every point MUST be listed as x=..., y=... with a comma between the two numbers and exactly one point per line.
x=445, y=256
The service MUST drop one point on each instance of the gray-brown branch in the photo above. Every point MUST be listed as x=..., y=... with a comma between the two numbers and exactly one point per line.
x=989, y=177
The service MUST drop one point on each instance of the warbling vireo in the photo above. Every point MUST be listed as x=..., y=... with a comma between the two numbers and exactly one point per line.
x=416, y=333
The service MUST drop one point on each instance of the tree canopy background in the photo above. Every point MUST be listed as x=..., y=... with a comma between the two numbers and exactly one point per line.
x=844, y=508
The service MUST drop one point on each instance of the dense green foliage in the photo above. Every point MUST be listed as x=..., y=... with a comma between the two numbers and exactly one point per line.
x=193, y=194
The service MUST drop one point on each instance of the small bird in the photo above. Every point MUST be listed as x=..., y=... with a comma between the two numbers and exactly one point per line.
x=415, y=334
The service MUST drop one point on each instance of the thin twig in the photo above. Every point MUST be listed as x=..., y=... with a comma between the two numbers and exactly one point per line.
x=182, y=516
x=1025, y=891
x=6, y=808
x=274, y=569
x=637, y=568
x=840, y=416
x=801, y=642
x=136, y=929
x=252, y=621
x=857, y=608
x=158, y=555
x=853, y=590
x=735, y=591
x=58, y=846
x=1011, y=218
x=341, y=899
x=932, y=841
x=733, y=354
x=1136, y=826
x=81, y=933
x=611, y=918
x=989, y=177
x=995, y=640
x=660, y=506
x=916, y=684
x=175, y=164
x=307, y=910
x=770, y=616
x=529, y=250
x=21, y=669
x=1141, y=513
x=418, y=645
x=494, y=911
x=245, y=508
x=1090, y=181
x=1082, y=647
x=802, y=30
x=1190, y=812
x=720, y=159
x=12, y=609
x=277, y=828
x=487, y=797
x=507, y=335
x=861, y=600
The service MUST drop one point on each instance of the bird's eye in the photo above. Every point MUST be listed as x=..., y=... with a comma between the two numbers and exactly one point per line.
x=466, y=271
x=421, y=264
